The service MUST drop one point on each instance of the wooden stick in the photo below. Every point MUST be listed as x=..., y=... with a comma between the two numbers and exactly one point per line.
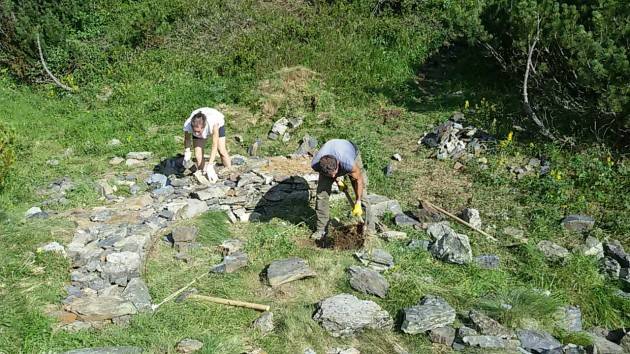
x=50, y=74
x=458, y=219
x=228, y=302
x=173, y=295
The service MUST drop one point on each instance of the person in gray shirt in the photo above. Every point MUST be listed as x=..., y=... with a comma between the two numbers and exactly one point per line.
x=335, y=160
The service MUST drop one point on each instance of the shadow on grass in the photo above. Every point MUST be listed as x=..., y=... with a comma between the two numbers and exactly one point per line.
x=289, y=201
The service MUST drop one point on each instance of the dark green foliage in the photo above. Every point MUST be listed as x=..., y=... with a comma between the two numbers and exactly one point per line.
x=581, y=60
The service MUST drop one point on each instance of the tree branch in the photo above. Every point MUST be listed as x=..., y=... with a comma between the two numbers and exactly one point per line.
x=529, y=66
x=41, y=58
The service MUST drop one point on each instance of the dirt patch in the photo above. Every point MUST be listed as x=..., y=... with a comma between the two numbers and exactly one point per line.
x=280, y=166
x=344, y=238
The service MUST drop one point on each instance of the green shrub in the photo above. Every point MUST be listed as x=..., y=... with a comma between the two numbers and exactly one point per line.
x=7, y=154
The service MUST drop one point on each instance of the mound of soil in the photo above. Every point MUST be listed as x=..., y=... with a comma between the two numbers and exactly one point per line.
x=343, y=238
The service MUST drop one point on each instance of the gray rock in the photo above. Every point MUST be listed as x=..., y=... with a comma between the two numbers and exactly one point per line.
x=264, y=323
x=472, y=217
x=193, y=208
x=578, y=223
x=76, y=326
x=52, y=247
x=104, y=188
x=432, y=312
x=231, y=263
x=553, y=252
x=488, y=326
x=392, y=235
x=610, y=267
x=163, y=192
x=107, y=350
x=405, y=220
x=423, y=245
x=378, y=259
x=185, y=234
x=32, y=212
x=537, y=341
x=157, y=180
x=452, y=248
x=487, y=261
x=464, y=331
x=344, y=315
x=101, y=216
x=309, y=351
x=114, y=142
x=389, y=170
x=624, y=278
x=295, y=122
x=592, y=247
x=279, y=128
x=569, y=318
x=487, y=342
x=253, y=149
x=443, y=335
x=368, y=281
x=139, y=155
x=238, y=160
x=188, y=345
x=116, y=160
x=625, y=342
x=94, y=308
x=614, y=249
x=138, y=293
x=602, y=345
x=230, y=246
x=212, y=192
x=573, y=349
x=515, y=233
x=380, y=205
x=397, y=157
x=438, y=230
x=308, y=144
x=287, y=270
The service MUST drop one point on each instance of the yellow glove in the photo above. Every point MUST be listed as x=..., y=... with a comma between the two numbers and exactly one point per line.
x=357, y=211
x=342, y=186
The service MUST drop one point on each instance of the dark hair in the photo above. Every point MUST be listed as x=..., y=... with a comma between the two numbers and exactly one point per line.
x=197, y=119
x=328, y=164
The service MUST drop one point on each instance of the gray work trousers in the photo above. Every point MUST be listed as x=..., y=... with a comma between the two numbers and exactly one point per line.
x=322, y=206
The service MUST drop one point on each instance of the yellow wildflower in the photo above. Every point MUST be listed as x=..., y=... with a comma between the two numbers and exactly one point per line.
x=609, y=161
x=466, y=104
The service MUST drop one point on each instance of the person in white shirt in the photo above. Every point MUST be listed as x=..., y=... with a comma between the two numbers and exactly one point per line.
x=201, y=124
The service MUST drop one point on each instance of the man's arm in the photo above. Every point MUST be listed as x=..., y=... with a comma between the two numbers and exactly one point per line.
x=215, y=143
x=187, y=140
x=357, y=182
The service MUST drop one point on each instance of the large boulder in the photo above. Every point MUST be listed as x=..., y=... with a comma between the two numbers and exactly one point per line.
x=430, y=313
x=537, y=341
x=345, y=315
x=453, y=248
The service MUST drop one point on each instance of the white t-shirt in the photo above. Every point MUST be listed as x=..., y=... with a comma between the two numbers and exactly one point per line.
x=213, y=118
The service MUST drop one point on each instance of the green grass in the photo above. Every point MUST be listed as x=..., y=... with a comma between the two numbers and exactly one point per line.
x=368, y=88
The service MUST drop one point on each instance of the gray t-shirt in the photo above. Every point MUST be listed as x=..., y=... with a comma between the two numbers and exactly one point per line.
x=343, y=150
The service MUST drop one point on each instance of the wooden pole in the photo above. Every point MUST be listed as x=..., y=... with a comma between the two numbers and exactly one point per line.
x=228, y=302
x=458, y=219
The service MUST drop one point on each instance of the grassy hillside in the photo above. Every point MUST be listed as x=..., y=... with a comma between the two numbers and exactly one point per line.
x=379, y=81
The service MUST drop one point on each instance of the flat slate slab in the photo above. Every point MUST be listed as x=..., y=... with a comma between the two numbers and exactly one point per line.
x=430, y=313
x=345, y=315
x=101, y=308
x=287, y=270
x=368, y=281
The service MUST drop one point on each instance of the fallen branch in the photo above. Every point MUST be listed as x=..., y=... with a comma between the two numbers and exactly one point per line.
x=457, y=219
x=229, y=302
x=529, y=66
x=50, y=74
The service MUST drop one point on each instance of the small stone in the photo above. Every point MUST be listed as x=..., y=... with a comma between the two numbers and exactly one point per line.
x=286, y=137
x=552, y=251
x=287, y=270
x=515, y=233
x=52, y=162
x=116, y=161
x=569, y=318
x=614, y=249
x=397, y=157
x=394, y=235
x=253, y=150
x=138, y=293
x=185, y=234
x=487, y=342
x=573, y=349
x=452, y=248
x=139, y=155
x=603, y=346
x=238, y=160
x=101, y=308
x=133, y=162
x=464, y=331
x=264, y=323
x=193, y=208
x=442, y=335
x=114, y=142
x=104, y=188
x=537, y=341
x=368, y=281
x=487, y=261
x=33, y=212
x=101, y=215
x=405, y=220
x=624, y=278
x=472, y=217
x=231, y=263
x=76, y=326
x=592, y=247
x=380, y=205
x=344, y=315
x=389, y=169
x=430, y=313
x=488, y=326
x=578, y=223
x=188, y=345
x=230, y=246
x=610, y=267
x=52, y=247
x=308, y=144
x=157, y=180
x=378, y=259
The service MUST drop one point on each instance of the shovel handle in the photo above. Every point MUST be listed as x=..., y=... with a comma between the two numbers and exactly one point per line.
x=228, y=302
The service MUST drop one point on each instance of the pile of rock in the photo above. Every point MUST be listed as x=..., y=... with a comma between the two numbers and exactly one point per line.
x=454, y=141
x=283, y=127
x=532, y=167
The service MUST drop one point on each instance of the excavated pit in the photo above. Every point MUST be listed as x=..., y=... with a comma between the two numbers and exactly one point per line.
x=344, y=238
